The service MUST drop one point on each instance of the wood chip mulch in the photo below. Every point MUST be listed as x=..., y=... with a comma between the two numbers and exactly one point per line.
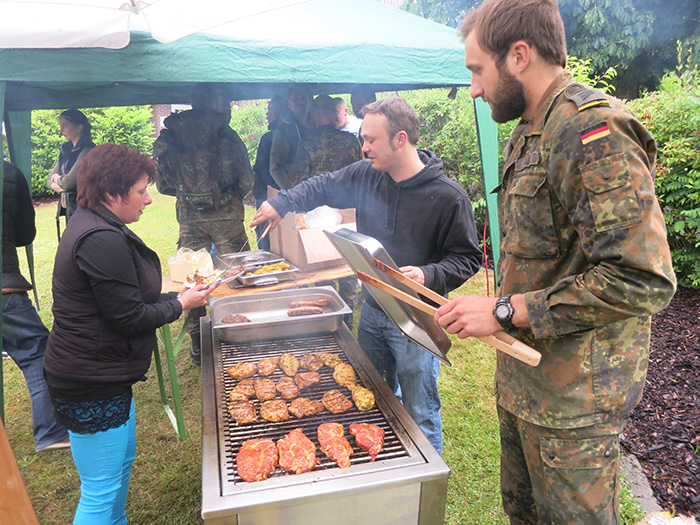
x=664, y=429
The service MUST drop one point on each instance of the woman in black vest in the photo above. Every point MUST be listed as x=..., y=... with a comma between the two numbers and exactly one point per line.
x=63, y=179
x=107, y=306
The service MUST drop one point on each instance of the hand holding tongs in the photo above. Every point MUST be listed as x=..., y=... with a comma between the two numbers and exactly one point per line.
x=500, y=340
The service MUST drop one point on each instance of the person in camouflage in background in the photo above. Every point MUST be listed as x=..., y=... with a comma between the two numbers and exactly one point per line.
x=584, y=264
x=205, y=164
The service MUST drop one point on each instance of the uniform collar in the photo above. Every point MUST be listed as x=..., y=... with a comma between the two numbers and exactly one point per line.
x=544, y=107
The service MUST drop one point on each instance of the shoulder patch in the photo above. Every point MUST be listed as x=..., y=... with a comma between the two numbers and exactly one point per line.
x=585, y=96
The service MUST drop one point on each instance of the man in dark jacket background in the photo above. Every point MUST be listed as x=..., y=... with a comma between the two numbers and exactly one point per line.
x=424, y=221
x=23, y=334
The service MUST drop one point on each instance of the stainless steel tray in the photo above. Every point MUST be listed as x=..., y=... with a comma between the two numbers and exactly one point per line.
x=359, y=250
x=268, y=278
x=268, y=314
x=227, y=260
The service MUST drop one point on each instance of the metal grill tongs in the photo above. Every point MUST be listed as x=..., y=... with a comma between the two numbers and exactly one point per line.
x=502, y=341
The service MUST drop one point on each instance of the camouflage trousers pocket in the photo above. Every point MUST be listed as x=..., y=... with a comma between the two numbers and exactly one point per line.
x=581, y=479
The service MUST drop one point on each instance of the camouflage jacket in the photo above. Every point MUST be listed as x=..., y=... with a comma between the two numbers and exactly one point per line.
x=205, y=164
x=583, y=237
x=322, y=150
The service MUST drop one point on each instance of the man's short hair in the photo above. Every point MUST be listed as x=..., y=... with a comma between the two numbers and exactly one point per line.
x=399, y=114
x=498, y=24
x=323, y=108
x=206, y=93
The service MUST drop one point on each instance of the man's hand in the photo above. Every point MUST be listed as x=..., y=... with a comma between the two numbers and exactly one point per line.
x=266, y=213
x=468, y=316
x=415, y=273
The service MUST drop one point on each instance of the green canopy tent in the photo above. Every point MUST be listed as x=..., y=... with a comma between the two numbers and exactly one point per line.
x=329, y=45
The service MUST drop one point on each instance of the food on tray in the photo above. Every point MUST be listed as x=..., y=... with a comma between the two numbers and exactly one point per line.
x=297, y=453
x=324, y=301
x=336, y=402
x=289, y=364
x=304, y=310
x=287, y=388
x=307, y=379
x=267, y=365
x=242, y=412
x=242, y=391
x=331, y=437
x=363, y=398
x=344, y=375
x=303, y=406
x=311, y=362
x=257, y=459
x=270, y=268
x=235, y=318
x=205, y=276
x=265, y=389
x=368, y=437
x=330, y=360
x=242, y=370
x=275, y=410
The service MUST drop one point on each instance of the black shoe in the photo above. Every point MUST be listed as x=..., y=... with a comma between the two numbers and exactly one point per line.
x=196, y=351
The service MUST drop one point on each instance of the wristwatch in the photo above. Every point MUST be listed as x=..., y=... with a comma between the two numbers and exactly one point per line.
x=503, y=312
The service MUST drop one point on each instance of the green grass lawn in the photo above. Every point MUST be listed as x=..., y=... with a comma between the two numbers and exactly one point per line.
x=166, y=476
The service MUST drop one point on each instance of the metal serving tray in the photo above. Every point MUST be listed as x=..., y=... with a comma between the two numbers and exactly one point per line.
x=227, y=260
x=268, y=314
x=359, y=250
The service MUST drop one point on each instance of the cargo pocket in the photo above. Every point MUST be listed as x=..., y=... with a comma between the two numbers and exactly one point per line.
x=581, y=479
x=530, y=232
x=610, y=193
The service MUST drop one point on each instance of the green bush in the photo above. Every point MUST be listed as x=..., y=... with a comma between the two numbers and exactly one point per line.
x=249, y=120
x=672, y=115
x=129, y=125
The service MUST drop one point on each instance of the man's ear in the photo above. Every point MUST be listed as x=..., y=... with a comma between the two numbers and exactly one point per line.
x=520, y=55
x=400, y=139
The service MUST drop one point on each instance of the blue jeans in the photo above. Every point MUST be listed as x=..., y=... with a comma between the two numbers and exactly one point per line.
x=24, y=339
x=104, y=463
x=410, y=371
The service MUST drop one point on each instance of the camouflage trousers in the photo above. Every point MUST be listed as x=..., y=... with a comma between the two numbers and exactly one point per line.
x=560, y=476
x=229, y=236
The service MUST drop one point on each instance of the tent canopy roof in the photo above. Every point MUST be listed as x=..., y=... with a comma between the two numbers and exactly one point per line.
x=330, y=45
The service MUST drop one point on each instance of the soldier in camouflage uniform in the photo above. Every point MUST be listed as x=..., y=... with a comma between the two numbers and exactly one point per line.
x=584, y=264
x=324, y=149
x=205, y=164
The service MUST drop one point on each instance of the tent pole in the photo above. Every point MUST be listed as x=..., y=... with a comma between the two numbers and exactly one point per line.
x=487, y=132
x=3, y=86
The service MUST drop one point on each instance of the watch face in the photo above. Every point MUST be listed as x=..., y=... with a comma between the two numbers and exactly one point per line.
x=502, y=311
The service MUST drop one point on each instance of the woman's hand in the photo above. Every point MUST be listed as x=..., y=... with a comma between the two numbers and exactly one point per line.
x=195, y=296
x=54, y=183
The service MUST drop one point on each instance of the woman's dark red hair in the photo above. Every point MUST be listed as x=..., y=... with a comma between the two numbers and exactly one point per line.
x=111, y=169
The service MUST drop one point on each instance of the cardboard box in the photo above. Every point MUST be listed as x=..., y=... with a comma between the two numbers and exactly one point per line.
x=308, y=249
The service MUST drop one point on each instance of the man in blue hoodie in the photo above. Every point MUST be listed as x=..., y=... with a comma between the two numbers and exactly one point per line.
x=423, y=219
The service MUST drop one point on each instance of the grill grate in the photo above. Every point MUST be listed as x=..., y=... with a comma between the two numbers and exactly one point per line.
x=235, y=434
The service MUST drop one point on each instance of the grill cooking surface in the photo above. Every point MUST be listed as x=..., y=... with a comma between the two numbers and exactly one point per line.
x=235, y=434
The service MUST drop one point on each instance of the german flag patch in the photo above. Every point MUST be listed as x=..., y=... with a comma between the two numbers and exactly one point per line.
x=596, y=132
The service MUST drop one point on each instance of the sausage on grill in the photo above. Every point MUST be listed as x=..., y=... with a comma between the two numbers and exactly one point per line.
x=310, y=302
x=304, y=310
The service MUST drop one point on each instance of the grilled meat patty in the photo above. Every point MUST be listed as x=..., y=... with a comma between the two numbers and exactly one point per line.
x=368, y=437
x=303, y=406
x=336, y=402
x=234, y=318
x=330, y=360
x=242, y=370
x=331, y=437
x=289, y=364
x=275, y=410
x=242, y=391
x=344, y=375
x=287, y=388
x=311, y=362
x=267, y=365
x=297, y=452
x=242, y=412
x=363, y=398
x=257, y=459
x=265, y=389
x=307, y=379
